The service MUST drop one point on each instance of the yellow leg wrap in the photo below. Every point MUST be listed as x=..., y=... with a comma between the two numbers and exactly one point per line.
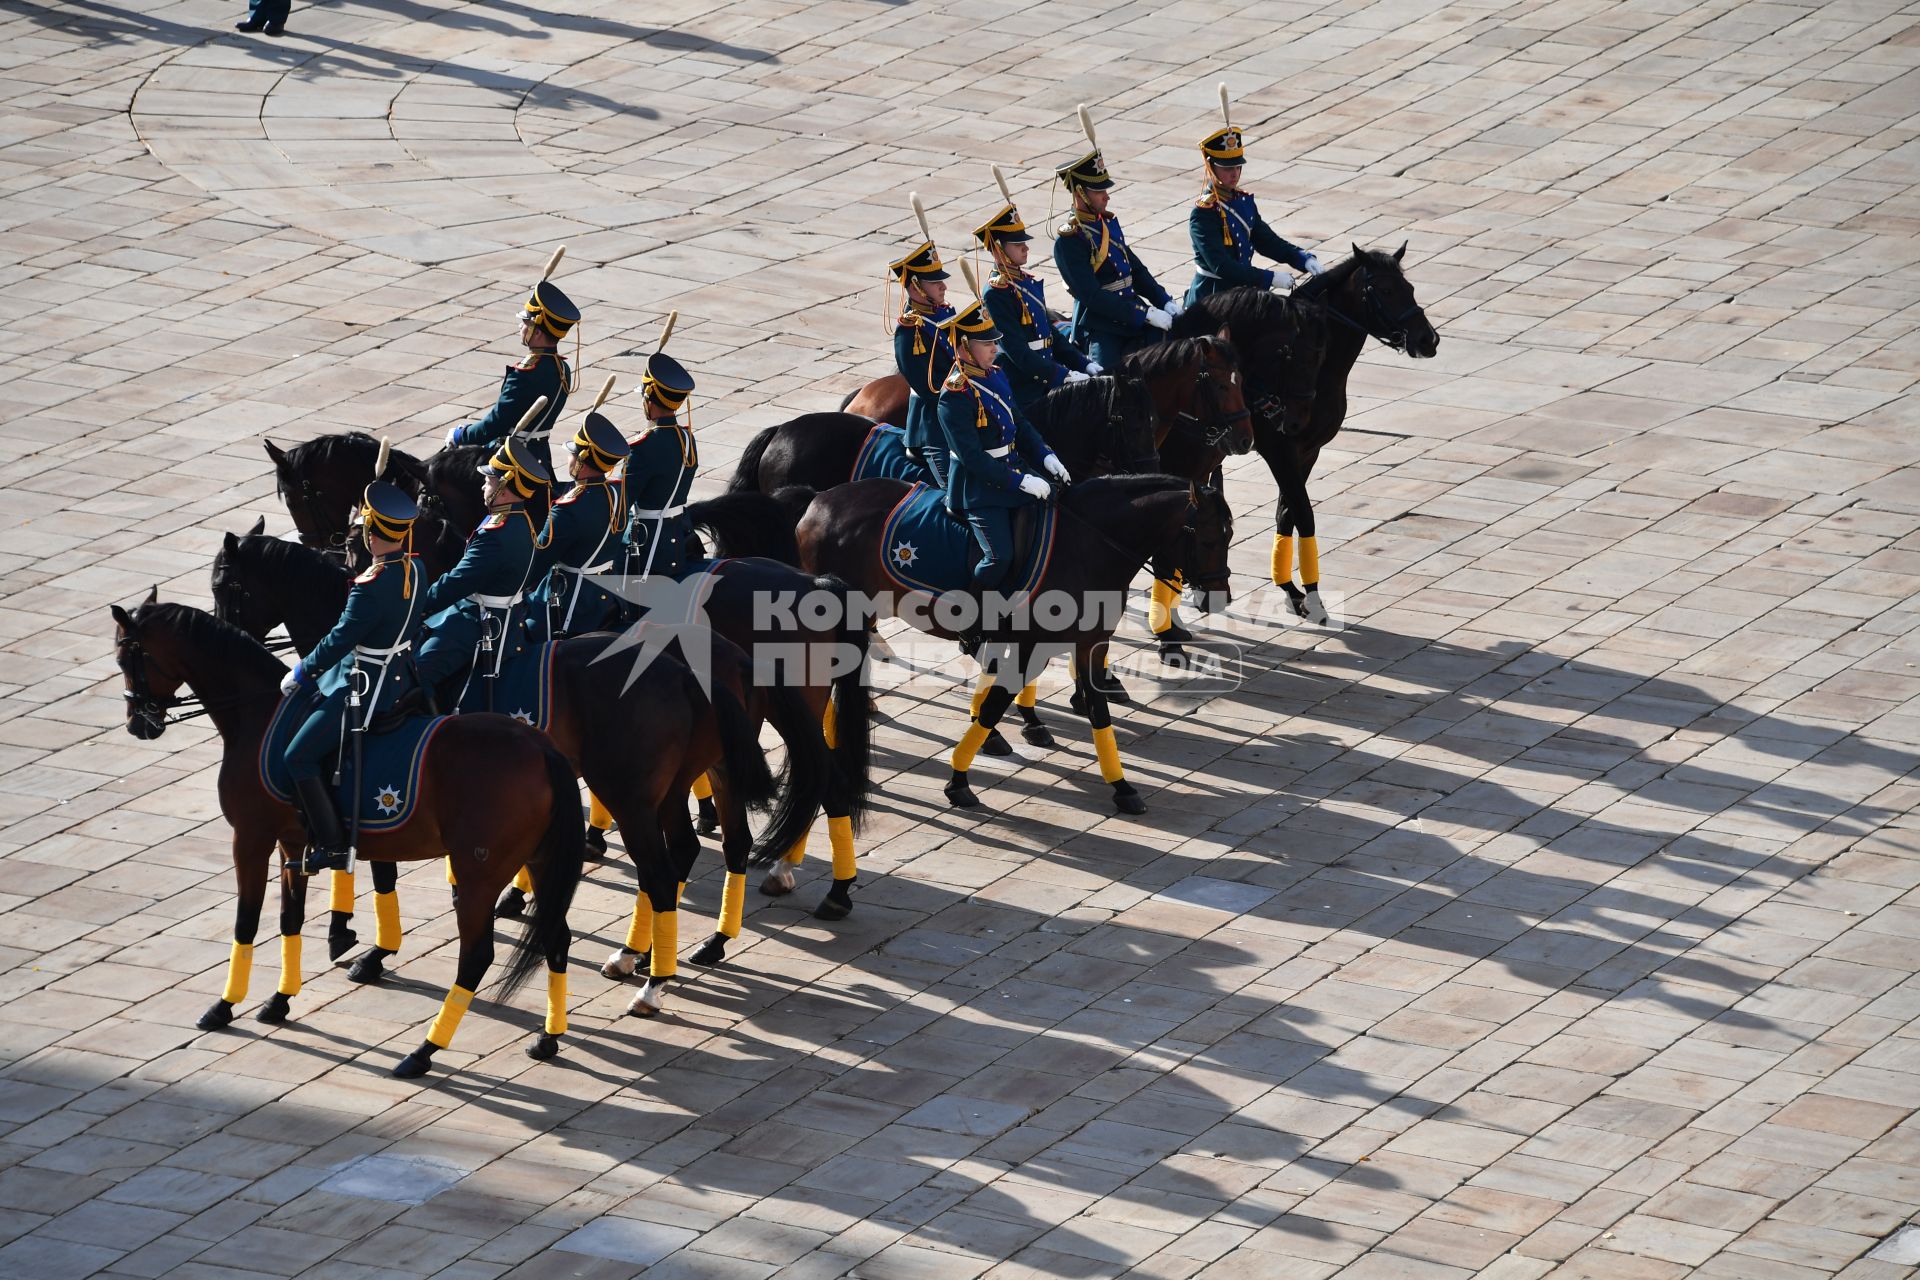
x=829, y=726
x=1309, y=562
x=703, y=788
x=640, y=930
x=447, y=1021
x=1029, y=697
x=1282, y=558
x=386, y=921
x=556, y=1003
x=798, y=854
x=451, y=878
x=597, y=816
x=733, y=902
x=968, y=747
x=980, y=692
x=1160, y=612
x=289, y=964
x=239, y=970
x=341, y=897
x=680, y=893
x=840, y=833
x=1109, y=753
x=666, y=943
x=523, y=881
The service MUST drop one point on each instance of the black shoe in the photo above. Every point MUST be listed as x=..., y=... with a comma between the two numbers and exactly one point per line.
x=250, y=26
x=276, y=28
x=970, y=640
x=327, y=846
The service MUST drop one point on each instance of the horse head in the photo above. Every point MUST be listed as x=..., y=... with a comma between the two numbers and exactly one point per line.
x=1221, y=394
x=1378, y=296
x=238, y=597
x=1205, y=545
x=149, y=671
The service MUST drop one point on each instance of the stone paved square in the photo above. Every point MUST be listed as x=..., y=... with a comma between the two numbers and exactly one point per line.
x=1554, y=910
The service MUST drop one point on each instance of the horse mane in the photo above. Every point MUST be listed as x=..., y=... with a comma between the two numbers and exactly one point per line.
x=1242, y=307
x=1171, y=356
x=299, y=567
x=1106, y=490
x=1315, y=288
x=223, y=643
x=325, y=450
x=1069, y=400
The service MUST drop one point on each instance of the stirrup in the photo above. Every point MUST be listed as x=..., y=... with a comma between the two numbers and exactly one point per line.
x=313, y=861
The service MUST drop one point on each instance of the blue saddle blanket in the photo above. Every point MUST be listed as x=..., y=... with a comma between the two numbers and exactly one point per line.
x=524, y=689
x=925, y=547
x=883, y=455
x=390, y=772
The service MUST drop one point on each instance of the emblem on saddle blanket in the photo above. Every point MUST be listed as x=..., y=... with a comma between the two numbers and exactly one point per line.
x=927, y=548
x=395, y=757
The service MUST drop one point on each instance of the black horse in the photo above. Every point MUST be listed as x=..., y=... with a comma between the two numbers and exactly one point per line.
x=1297, y=412
x=322, y=482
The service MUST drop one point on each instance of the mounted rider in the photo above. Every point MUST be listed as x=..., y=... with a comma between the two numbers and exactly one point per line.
x=1117, y=304
x=1226, y=227
x=474, y=609
x=1035, y=356
x=548, y=317
x=990, y=440
x=583, y=538
x=358, y=669
x=923, y=352
x=659, y=474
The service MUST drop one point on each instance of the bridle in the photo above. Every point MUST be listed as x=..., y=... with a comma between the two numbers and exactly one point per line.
x=143, y=704
x=1116, y=423
x=310, y=504
x=1375, y=323
x=230, y=600
x=1214, y=430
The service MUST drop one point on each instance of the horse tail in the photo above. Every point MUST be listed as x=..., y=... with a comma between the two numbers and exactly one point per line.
x=747, y=524
x=852, y=720
x=746, y=476
x=807, y=772
x=555, y=866
x=741, y=758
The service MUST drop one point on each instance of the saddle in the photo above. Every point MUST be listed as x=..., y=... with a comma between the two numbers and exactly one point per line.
x=925, y=547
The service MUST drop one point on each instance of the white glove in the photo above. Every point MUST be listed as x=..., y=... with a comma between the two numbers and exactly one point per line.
x=1093, y=369
x=453, y=437
x=1312, y=264
x=1057, y=469
x=1035, y=487
x=1175, y=306
x=290, y=681
x=1159, y=319
x=1074, y=375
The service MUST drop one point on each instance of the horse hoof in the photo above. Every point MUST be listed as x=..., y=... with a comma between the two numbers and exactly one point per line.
x=779, y=881
x=1113, y=691
x=1038, y=735
x=415, y=1064
x=543, y=1047
x=339, y=942
x=709, y=818
x=712, y=951
x=651, y=999
x=596, y=847
x=959, y=794
x=217, y=1017
x=838, y=904
x=995, y=745
x=1174, y=634
x=512, y=906
x=1078, y=703
x=274, y=1011
x=621, y=964
x=1312, y=609
x=1127, y=800
x=368, y=968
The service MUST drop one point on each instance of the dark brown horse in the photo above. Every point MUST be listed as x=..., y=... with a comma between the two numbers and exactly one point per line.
x=322, y=481
x=494, y=796
x=882, y=400
x=1107, y=529
x=1298, y=413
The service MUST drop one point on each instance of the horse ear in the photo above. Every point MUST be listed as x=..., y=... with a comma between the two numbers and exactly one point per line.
x=259, y=527
x=123, y=618
x=230, y=544
x=153, y=596
x=275, y=452
x=1226, y=334
x=1358, y=252
x=1401, y=252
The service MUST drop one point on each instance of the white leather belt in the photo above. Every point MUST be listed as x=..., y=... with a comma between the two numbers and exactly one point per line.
x=1115, y=286
x=1040, y=344
x=664, y=513
x=1211, y=275
x=587, y=570
x=381, y=655
x=1001, y=452
x=541, y=434
x=496, y=602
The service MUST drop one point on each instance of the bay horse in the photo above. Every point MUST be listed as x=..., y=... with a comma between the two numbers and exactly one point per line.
x=882, y=400
x=494, y=796
x=1365, y=296
x=1107, y=529
x=260, y=583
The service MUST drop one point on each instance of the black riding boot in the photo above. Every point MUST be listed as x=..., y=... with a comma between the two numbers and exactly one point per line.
x=326, y=840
